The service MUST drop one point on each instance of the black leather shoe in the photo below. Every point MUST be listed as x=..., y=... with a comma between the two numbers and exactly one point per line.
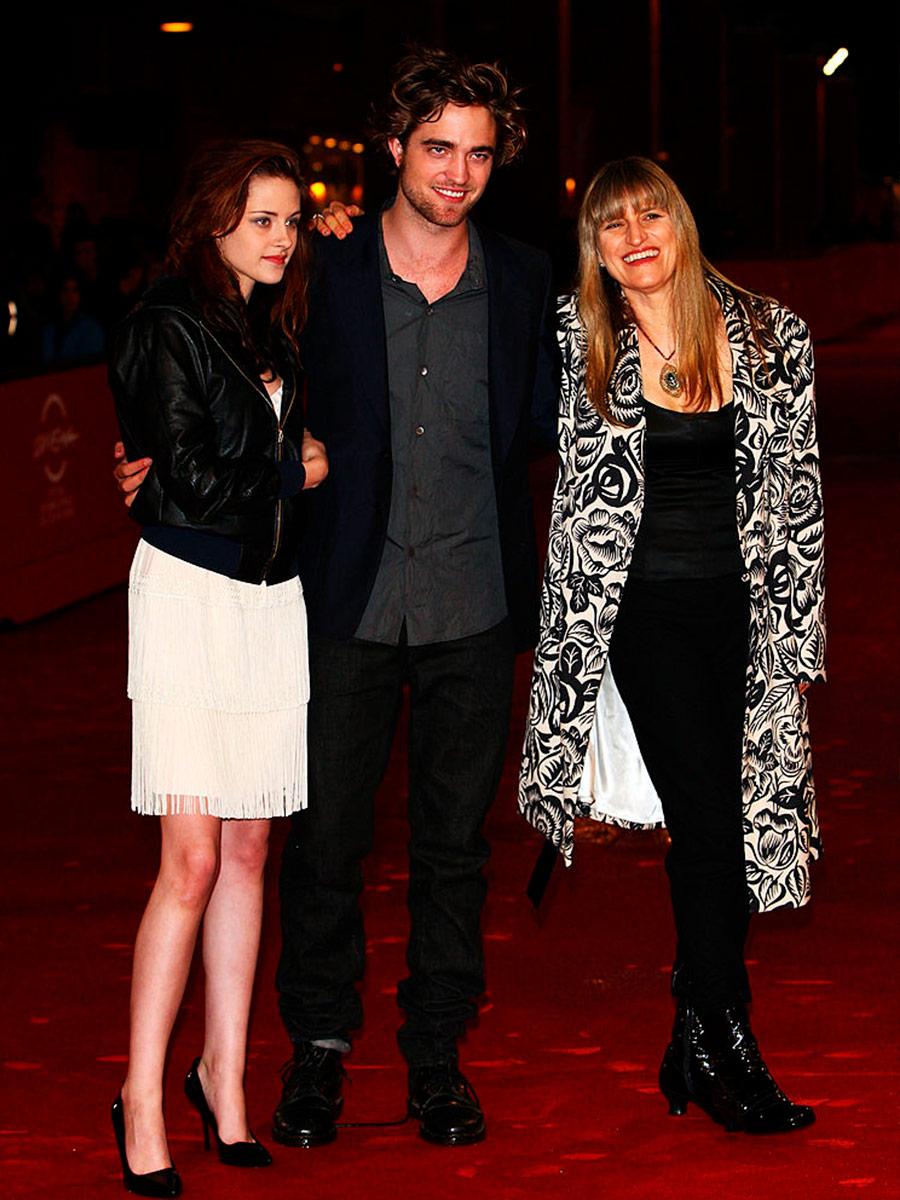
x=311, y=1098
x=444, y=1103
x=720, y=1068
x=163, y=1185
x=232, y=1154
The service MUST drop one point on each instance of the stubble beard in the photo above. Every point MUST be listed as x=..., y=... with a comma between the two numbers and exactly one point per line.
x=433, y=210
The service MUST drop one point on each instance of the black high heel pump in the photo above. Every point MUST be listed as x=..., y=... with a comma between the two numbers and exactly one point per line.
x=162, y=1184
x=233, y=1154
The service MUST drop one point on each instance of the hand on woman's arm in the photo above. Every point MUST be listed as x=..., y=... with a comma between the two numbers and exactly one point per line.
x=314, y=459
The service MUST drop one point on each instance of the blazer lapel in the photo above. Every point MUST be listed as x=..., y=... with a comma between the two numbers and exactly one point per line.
x=353, y=279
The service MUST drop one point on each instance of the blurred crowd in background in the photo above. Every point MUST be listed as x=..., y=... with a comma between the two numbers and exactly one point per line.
x=68, y=287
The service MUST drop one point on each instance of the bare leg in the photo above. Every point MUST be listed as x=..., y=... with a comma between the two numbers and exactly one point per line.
x=231, y=932
x=189, y=865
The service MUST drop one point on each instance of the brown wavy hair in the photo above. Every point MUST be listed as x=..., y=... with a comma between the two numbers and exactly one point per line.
x=641, y=184
x=426, y=81
x=209, y=205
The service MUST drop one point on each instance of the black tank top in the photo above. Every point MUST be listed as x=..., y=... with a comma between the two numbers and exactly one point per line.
x=689, y=526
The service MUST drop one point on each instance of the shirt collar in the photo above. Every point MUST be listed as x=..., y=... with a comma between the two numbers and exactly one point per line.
x=472, y=278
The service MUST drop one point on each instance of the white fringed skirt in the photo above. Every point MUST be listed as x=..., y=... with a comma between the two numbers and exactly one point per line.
x=218, y=677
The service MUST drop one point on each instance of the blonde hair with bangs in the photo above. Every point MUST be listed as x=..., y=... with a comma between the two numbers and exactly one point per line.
x=640, y=184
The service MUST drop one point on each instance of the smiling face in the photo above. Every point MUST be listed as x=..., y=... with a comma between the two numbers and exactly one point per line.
x=446, y=164
x=639, y=248
x=260, y=247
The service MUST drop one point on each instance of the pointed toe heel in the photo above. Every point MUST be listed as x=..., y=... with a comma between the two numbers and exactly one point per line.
x=232, y=1154
x=163, y=1185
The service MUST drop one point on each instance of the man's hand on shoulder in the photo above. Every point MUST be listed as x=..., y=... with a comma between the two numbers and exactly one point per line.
x=335, y=219
x=129, y=475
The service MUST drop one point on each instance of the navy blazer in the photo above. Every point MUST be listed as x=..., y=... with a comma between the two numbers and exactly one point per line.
x=348, y=408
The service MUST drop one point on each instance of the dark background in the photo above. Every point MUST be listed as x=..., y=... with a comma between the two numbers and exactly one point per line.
x=102, y=109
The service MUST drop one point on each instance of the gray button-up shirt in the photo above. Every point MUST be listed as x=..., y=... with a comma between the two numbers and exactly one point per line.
x=440, y=571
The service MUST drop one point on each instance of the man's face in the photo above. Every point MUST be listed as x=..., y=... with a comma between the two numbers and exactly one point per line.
x=446, y=163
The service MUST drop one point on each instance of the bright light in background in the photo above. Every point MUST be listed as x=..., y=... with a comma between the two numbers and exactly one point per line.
x=177, y=27
x=318, y=190
x=835, y=61
x=13, y=319
x=570, y=186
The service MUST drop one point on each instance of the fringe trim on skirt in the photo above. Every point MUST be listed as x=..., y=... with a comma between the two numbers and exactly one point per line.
x=197, y=760
x=219, y=679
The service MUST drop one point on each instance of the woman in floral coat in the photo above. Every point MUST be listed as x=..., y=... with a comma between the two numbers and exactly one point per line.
x=682, y=608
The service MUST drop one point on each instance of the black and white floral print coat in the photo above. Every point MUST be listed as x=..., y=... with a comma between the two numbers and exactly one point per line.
x=596, y=511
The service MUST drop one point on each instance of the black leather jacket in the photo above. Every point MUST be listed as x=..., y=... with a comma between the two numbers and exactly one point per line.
x=223, y=463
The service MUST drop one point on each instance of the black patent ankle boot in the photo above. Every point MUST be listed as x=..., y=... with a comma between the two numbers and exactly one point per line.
x=724, y=1073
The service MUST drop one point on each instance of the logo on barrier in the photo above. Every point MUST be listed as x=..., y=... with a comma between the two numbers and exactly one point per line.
x=51, y=447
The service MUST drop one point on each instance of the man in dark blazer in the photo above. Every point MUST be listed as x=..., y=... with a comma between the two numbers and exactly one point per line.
x=431, y=361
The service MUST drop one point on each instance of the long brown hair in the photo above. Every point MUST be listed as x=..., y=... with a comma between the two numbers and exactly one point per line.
x=210, y=204
x=426, y=81
x=602, y=307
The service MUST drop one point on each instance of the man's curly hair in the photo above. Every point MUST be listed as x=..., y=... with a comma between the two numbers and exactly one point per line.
x=425, y=81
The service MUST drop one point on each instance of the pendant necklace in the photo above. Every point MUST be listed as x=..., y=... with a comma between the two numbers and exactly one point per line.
x=669, y=376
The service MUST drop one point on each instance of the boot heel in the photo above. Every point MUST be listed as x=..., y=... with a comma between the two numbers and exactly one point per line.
x=672, y=1081
x=678, y=1102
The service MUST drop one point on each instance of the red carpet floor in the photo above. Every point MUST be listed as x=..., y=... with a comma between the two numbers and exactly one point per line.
x=565, y=1053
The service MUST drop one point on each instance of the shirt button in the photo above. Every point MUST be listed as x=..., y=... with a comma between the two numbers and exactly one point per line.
x=420, y=429
x=423, y=370
x=430, y=311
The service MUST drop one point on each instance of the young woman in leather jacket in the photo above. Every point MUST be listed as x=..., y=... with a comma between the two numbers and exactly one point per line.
x=205, y=378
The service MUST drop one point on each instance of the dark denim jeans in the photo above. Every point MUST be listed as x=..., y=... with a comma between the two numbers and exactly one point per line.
x=460, y=695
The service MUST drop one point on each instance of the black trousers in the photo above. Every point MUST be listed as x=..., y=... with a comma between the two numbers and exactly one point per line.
x=679, y=658
x=460, y=696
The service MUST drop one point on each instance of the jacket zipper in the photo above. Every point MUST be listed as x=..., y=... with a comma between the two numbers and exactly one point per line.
x=279, y=440
x=279, y=504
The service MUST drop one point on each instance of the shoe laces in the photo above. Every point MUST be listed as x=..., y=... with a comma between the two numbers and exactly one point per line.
x=447, y=1077
x=303, y=1074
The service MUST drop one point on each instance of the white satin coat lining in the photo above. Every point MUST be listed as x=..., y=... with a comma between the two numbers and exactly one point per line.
x=615, y=781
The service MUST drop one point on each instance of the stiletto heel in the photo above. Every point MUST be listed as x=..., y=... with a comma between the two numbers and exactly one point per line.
x=164, y=1184
x=233, y=1154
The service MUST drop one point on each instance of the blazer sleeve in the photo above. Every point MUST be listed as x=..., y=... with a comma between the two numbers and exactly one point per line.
x=159, y=381
x=806, y=549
